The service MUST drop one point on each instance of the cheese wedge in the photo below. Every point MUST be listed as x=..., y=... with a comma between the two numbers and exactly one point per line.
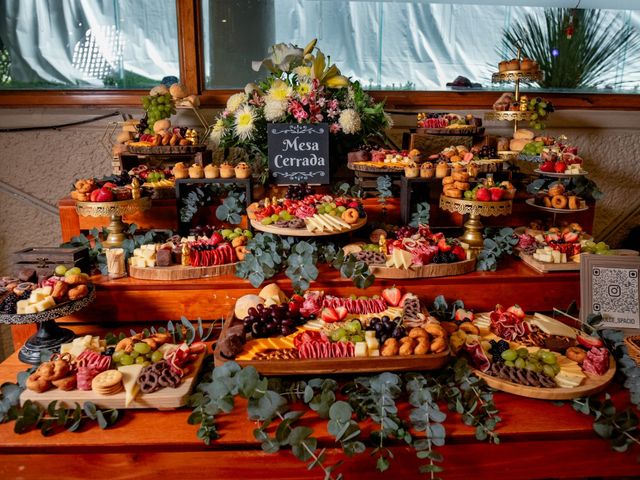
x=568, y=379
x=552, y=326
x=130, y=374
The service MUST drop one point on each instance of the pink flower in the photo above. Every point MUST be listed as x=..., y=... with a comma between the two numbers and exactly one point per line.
x=333, y=104
x=334, y=128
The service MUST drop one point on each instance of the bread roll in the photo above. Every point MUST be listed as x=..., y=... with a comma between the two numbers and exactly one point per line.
x=523, y=134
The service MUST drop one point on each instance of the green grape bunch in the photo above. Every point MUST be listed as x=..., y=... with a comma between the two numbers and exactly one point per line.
x=158, y=107
x=541, y=109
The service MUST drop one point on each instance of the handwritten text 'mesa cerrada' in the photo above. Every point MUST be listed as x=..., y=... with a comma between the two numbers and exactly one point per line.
x=295, y=145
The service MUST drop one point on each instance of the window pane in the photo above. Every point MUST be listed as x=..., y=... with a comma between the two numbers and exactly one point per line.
x=399, y=45
x=65, y=44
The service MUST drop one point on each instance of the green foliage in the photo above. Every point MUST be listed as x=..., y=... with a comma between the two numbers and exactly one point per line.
x=590, y=59
x=268, y=254
x=496, y=244
x=384, y=184
x=232, y=208
x=443, y=310
x=183, y=331
x=421, y=215
x=345, y=189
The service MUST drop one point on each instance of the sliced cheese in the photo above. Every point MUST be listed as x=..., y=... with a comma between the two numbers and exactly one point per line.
x=552, y=326
x=130, y=374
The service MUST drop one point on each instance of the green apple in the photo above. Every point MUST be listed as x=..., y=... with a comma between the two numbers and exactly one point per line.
x=60, y=270
x=73, y=271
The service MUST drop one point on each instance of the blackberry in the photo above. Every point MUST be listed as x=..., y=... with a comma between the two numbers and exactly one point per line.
x=497, y=348
x=361, y=211
x=440, y=258
x=298, y=192
x=10, y=303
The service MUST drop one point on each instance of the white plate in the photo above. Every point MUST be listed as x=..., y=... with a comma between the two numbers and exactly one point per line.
x=560, y=175
x=530, y=201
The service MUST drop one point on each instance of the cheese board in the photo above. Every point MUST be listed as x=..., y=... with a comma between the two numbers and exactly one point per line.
x=425, y=271
x=163, y=399
x=462, y=130
x=546, y=267
x=180, y=272
x=303, y=232
x=591, y=385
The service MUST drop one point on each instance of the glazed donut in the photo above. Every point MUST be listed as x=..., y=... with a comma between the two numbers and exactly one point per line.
x=452, y=192
x=435, y=330
x=462, y=185
x=350, y=215
x=460, y=176
x=576, y=354
x=468, y=327
x=448, y=180
x=573, y=202
x=547, y=202
x=559, y=201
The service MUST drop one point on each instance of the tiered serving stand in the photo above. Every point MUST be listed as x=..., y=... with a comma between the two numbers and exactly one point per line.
x=114, y=210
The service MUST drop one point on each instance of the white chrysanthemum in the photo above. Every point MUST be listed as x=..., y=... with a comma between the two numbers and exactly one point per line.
x=244, y=123
x=235, y=101
x=274, y=110
x=218, y=131
x=279, y=92
x=350, y=121
x=303, y=72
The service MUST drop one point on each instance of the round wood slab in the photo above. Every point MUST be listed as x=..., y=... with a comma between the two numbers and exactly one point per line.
x=373, y=169
x=303, y=232
x=592, y=384
x=452, y=131
x=180, y=272
x=167, y=149
x=425, y=271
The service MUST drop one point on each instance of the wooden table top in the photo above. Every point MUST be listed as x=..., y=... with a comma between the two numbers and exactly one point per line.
x=538, y=439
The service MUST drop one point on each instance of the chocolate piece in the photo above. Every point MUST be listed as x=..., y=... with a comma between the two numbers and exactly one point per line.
x=559, y=344
x=27, y=275
x=237, y=329
x=164, y=258
x=176, y=253
x=231, y=345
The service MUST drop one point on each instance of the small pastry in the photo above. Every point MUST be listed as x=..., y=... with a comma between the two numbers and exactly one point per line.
x=502, y=66
x=574, y=204
x=460, y=176
x=427, y=170
x=211, y=171
x=242, y=170
x=196, y=171
x=556, y=189
x=547, y=202
x=411, y=170
x=442, y=170
x=180, y=171
x=473, y=170
x=452, y=192
x=513, y=64
x=227, y=170
x=528, y=65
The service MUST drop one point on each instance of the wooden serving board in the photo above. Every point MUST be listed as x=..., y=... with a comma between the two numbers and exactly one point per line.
x=180, y=272
x=592, y=384
x=303, y=232
x=452, y=131
x=544, y=267
x=336, y=365
x=373, y=169
x=166, y=149
x=425, y=271
x=163, y=399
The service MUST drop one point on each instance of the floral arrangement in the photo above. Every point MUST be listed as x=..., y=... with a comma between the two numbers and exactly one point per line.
x=302, y=87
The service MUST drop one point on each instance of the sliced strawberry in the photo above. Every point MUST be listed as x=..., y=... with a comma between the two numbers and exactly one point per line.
x=571, y=237
x=393, y=296
x=342, y=313
x=464, y=315
x=588, y=341
x=444, y=245
x=517, y=311
x=551, y=237
x=459, y=252
x=329, y=315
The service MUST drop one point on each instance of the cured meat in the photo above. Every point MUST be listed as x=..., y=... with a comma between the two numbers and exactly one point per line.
x=89, y=365
x=317, y=345
x=597, y=361
x=312, y=304
x=356, y=306
x=478, y=356
x=508, y=326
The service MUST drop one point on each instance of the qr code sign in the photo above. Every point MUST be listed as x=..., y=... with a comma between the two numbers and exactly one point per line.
x=615, y=296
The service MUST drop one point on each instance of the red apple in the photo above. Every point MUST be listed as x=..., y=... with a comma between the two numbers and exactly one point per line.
x=496, y=194
x=547, y=166
x=560, y=167
x=94, y=195
x=483, y=194
x=104, y=195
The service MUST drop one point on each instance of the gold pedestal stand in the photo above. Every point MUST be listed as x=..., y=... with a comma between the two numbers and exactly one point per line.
x=473, y=235
x=114, y=210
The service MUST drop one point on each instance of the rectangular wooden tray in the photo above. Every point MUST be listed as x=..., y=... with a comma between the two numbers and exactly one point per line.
x=163, y=399
x=544, y=267
x=336, y=365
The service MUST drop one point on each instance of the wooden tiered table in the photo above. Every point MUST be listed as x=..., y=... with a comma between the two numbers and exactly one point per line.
x=538, y=440
x=128, y=303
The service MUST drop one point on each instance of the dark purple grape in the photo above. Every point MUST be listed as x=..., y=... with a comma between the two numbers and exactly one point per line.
x=287, y=322
x=386, y=319
x=253, y=312
x=260, y=307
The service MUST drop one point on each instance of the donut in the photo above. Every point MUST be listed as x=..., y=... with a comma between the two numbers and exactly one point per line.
x=453, y=192
x=462, y=186
x=556, y=189
x=435, y=330
x=576, y=354
x=547, y=202
x=350, y=215
x=461, y=176
x=468, y=327
x=573, y=202
x=559, y=201
x=448, y=180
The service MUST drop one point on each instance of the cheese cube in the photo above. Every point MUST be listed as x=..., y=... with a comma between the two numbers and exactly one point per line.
x=563, y=259
x=137, y=252
x=150, y=262
x=361, y=349
x=556, y=256
x=374, y=353
x=30, y=309
x=22, y=305
x=372, y=343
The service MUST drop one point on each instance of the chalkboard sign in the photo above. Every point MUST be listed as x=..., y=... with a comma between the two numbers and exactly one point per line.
x=610, y=286
x=299, y=153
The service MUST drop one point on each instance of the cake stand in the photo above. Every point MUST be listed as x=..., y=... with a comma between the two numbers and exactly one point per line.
x=49, y=335
x=473, y=227
x=114, y=210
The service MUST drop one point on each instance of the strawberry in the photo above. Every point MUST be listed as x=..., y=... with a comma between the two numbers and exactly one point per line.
x=547, y=166
x=560, y=167
x=570, y=237
x=297, y=298
x=459, y=252
x=216, y=238
x=588, y=341
x=294, y=307
x=341, y=312
x=353, y=204
x=445, y=245
x=329, y=315
x=517, y=311
x=551, y=237
x=392, y=296
x=463, y=315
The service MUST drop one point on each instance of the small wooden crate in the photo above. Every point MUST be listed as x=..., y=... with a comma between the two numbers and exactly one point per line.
x=44, y=259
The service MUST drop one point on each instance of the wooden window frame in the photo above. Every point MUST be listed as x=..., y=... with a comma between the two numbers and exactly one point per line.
x=191, y=61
